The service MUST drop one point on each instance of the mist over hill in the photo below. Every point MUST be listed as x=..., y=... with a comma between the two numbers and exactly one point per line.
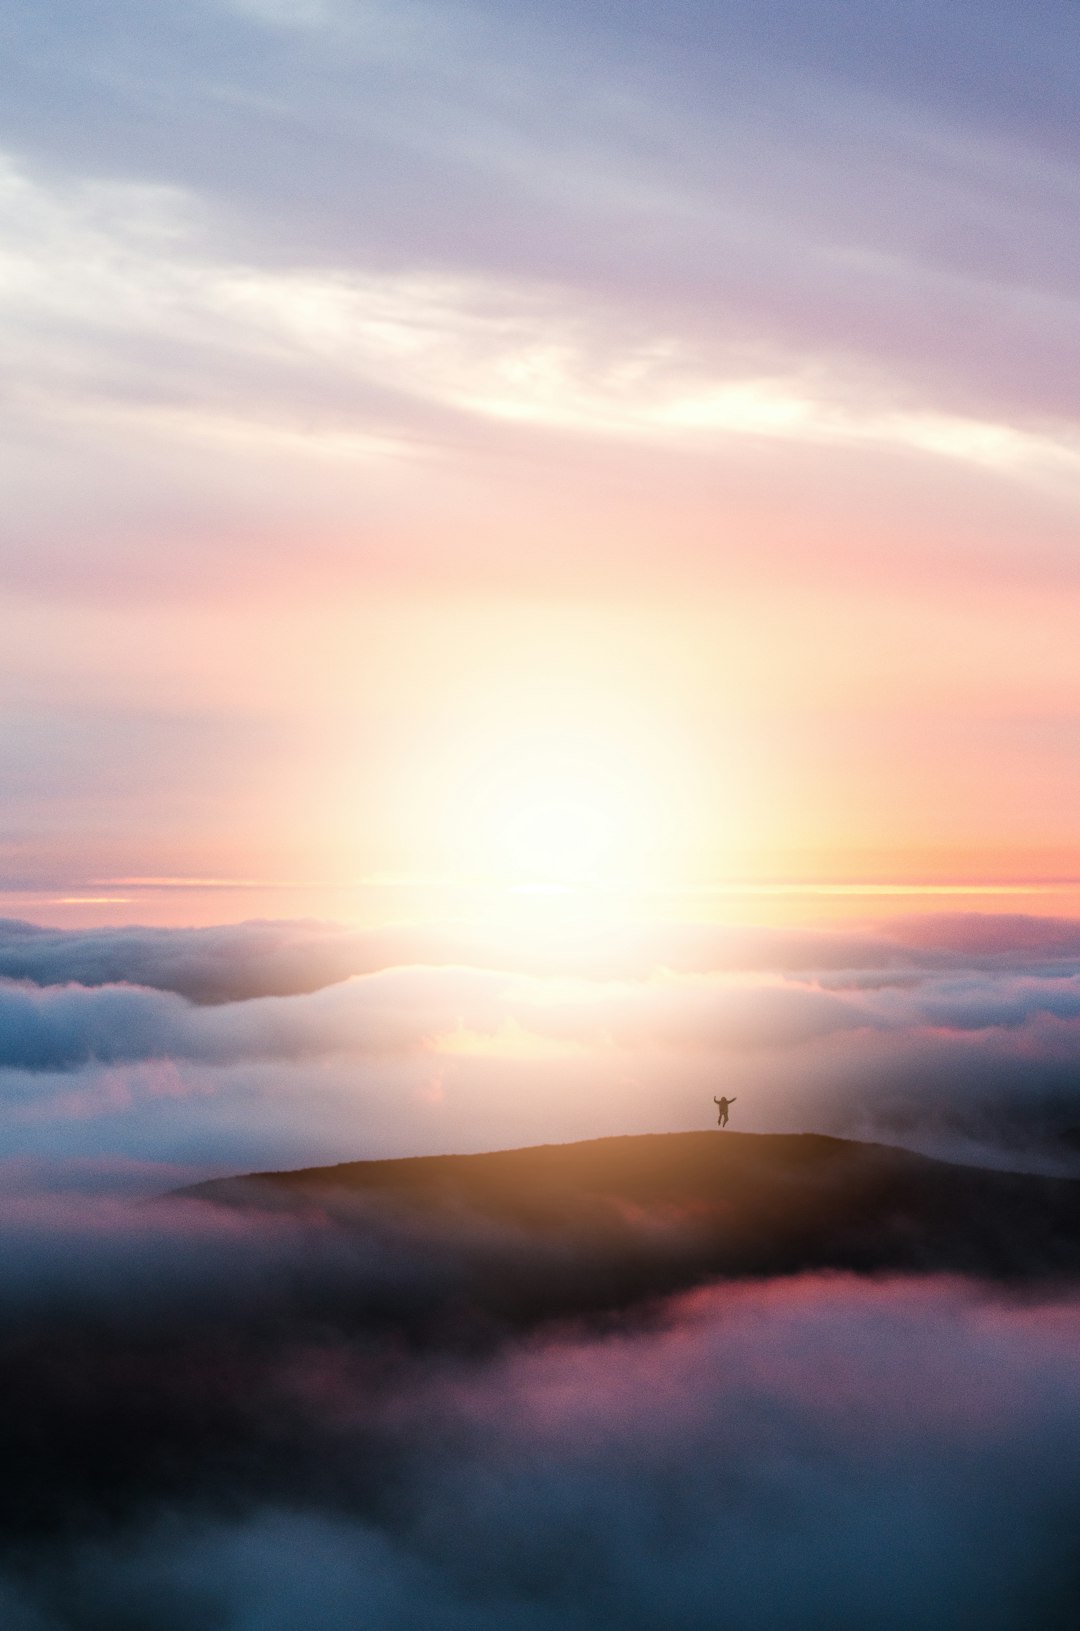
x=635, y=1217
x=530, y=1388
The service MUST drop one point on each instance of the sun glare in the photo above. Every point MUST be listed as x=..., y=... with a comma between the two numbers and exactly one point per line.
x=561, y=811
x=555, y=834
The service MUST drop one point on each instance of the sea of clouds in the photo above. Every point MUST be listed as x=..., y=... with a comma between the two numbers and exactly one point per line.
x=160, y=1055
x=249, y=1421
x=215, y=1422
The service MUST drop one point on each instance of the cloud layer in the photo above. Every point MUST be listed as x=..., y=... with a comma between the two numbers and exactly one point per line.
x=226, y=1425
x=229, y=1420
x=270, y=1045
x=233, y=334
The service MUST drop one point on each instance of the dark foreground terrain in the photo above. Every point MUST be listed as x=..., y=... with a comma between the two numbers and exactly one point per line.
x=464, y=1392
x=623, y=1218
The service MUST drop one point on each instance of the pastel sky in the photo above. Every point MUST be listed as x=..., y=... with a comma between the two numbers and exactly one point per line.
x=455, y=446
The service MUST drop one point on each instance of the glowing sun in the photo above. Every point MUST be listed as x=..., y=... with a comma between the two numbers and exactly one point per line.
x=562, y=811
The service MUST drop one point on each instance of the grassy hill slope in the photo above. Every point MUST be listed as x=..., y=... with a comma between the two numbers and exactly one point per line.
x=650, y=1213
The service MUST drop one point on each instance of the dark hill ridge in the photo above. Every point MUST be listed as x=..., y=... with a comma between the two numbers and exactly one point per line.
x=614, y=1219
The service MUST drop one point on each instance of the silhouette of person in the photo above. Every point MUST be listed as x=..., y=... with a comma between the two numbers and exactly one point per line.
x=721, y=1120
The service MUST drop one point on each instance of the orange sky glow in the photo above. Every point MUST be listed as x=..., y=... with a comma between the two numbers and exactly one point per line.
x=694, y=551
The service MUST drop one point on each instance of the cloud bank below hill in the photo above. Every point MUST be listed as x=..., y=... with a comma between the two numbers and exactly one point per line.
x=231, y=1426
